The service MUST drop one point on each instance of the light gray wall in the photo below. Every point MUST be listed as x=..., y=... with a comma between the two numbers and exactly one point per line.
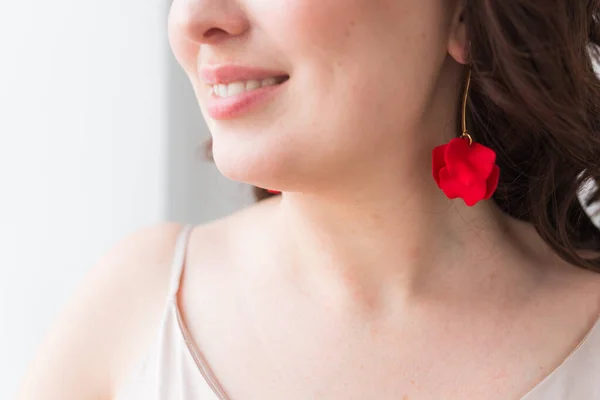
x=99, y=130
x=197, y=192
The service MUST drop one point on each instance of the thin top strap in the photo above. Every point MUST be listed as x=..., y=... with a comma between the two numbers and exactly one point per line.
x=179, y=259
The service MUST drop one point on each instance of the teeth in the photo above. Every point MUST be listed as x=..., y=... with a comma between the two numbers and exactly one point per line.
x=222, y=90
x=269, y=82
x=252, y=85
x=236, y=88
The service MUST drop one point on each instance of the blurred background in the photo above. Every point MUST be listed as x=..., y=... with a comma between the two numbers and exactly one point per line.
x=100, y=135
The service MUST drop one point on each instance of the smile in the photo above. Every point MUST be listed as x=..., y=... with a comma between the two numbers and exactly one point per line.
x=235, y=88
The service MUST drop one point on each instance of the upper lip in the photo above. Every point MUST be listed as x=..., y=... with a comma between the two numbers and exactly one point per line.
x=224, y=74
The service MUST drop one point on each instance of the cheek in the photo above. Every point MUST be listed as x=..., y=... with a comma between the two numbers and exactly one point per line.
x=347, y=27
x=303, y=29
x=375, y=56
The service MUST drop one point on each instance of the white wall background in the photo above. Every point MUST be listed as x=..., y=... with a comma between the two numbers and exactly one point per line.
x=98, y=131
x=98, y=137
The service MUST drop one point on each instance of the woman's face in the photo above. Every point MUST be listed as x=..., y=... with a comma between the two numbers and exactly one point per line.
x=362, y=74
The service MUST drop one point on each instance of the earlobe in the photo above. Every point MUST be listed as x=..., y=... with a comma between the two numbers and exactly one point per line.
x=458, y=46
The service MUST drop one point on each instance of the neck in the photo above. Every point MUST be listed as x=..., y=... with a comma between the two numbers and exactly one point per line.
x=362, y=248
x=382, y=226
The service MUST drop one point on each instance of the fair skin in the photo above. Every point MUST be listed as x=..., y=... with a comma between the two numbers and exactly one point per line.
x=362, y=281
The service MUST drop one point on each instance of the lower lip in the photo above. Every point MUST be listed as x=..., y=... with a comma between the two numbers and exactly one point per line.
x=220, y=108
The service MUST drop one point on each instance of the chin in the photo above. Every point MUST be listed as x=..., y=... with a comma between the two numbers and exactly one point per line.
x=249, y=164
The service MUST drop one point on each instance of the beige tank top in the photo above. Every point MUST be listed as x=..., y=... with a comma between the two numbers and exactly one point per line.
x=174, y=368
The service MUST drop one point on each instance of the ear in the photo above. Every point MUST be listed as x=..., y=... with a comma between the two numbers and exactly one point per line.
x=458, y=45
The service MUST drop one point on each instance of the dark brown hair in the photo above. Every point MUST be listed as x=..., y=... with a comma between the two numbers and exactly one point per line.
x=535, y=100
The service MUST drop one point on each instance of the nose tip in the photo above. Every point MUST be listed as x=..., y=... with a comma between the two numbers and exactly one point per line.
x=208, y=21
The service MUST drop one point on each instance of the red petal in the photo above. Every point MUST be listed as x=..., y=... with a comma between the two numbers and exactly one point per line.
x=457, y=151
x=454, y=188
x=439, y=161
x=465, y=173
x=474, y=193
x=492, y=182
x=482, y=160
x=457, y=161
x=451, y=188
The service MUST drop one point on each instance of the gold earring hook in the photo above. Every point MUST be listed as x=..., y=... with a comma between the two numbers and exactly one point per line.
x=465, y=133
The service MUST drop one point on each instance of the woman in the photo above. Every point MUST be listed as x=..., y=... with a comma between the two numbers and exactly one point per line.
x=372, y=275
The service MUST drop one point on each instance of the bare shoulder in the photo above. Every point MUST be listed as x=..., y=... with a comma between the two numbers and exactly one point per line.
x=108, y=323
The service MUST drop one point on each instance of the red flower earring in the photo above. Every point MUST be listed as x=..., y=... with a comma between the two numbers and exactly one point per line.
x=464, y=169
